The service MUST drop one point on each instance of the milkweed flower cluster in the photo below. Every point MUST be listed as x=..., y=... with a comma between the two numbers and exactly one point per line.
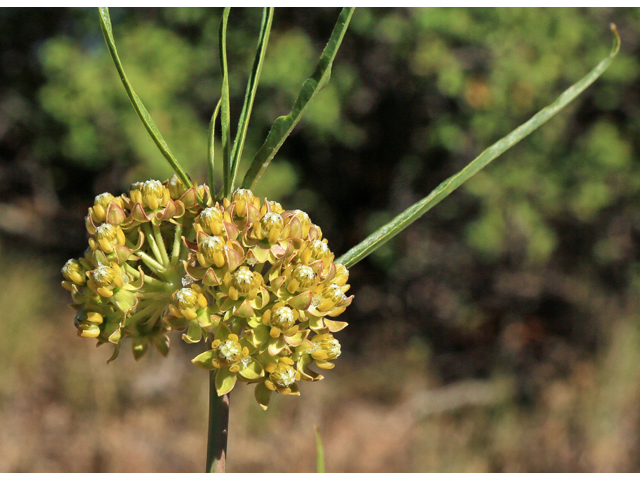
x=257, y=283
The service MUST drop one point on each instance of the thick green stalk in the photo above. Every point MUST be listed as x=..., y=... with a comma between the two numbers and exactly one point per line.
x=218, y=428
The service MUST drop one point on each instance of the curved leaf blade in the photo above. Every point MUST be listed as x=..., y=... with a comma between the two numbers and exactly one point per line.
x=225, y=116
x=149, y=124
x=283, y=126
x=410, y=215
x=252, y=87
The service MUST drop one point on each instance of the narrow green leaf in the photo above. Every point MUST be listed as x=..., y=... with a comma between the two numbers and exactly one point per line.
x=283, y=126
x=252, y=86
x=211, y=149
x=105, y=24
x=319, y=452
x=225, y=116
x=410, y=215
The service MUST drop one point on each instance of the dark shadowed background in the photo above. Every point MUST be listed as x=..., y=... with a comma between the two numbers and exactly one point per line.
x=500, y=332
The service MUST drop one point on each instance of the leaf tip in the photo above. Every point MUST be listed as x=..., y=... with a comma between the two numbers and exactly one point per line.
x=616, y=40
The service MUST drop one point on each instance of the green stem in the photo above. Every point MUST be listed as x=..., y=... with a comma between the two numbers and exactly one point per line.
x=175, y=252
x=152, y=242
x=211, y=149
x=319, y=452
x=218, y=428
x=141, y=313
x=148, y=279
x=154, y=266
x=160, y=242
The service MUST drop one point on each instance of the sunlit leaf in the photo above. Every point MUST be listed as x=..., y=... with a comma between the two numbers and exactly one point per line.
x=252, y=86
x=105, y=24
x=225, y=116
x=283, y=126
x=410, y=215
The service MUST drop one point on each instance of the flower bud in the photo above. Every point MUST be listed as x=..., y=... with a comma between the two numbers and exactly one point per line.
x=151, y=194
x=271, y=225
x=284, y=375
x=242, y=280
x=211, y=221
x=302, y=277
x=282, y=318
x=176, y=187
x=187, y=302
x=241, y=197
x=210, y=251
x=74, y=272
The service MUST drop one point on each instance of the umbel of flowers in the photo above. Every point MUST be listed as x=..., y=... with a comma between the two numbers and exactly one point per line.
x=257, y=283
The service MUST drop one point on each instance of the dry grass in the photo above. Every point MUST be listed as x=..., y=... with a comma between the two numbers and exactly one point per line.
x=62, y=408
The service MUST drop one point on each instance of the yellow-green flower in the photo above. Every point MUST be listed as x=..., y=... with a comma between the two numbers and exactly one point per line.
x=281, y=319
x=210, y=221
x=88, y=323
x=105, y=278
x=211, y=250
x=270, y=227
x=106, y=237
x=161, y=261
x=187, y=302
x=74, y=272
x=102, y=202
x=325, y=348
x=302, y=277
x=243, y=199
x=282, y=377
x=243, y=283
x=151, y=194
x=230, y=357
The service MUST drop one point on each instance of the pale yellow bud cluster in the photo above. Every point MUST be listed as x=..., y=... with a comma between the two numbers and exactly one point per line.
x=255, y=281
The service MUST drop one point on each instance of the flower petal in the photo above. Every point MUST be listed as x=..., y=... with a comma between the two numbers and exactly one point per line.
x=225, y=381
x=263, y=395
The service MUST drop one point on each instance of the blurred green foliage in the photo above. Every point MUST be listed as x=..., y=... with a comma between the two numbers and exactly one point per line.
x=529, y=273
x=415, y=94
x=490, y=68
